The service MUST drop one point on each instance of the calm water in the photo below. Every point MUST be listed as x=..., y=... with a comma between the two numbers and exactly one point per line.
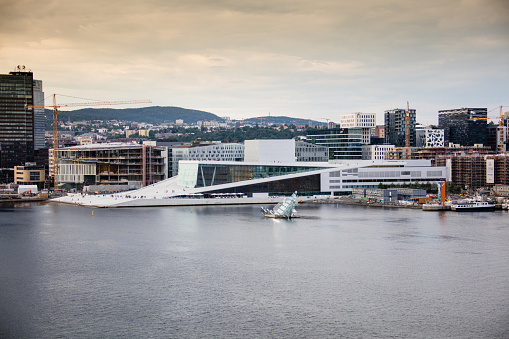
x=340, y=271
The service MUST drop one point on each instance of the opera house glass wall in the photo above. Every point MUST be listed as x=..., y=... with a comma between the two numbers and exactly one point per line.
x=193, y=175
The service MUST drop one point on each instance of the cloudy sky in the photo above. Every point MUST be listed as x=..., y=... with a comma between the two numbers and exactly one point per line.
x=245, y=58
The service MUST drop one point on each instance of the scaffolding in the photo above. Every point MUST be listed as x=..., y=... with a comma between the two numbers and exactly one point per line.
x=469, y=171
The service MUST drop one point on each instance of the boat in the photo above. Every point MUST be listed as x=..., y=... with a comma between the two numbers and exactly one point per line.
x=472, y=206
x=284, y=209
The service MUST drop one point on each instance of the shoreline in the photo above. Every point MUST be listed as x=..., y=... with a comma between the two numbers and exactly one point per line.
x=359, y=202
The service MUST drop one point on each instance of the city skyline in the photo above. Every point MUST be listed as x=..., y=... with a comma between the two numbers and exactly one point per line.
x=315, y=60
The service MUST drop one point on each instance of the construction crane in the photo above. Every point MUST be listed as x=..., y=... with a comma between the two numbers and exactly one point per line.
x=407, y=131
x=55, y=108
x=501, y=117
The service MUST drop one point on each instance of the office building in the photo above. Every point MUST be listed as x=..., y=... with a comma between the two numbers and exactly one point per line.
x=39, y=118
x=464, y=126
x=365, y=121
x=395, y=127
x=376, y=152
x=343, y=143
x=305, y=151
x=16, y=119
x=428, y=137
x=29, y=174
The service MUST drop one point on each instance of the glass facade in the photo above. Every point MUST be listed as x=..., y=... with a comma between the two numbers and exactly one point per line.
x=464, y=126
x=395, y=127
x=343, y=143
x=16, y=121
x=194, y=174
x=307, y=185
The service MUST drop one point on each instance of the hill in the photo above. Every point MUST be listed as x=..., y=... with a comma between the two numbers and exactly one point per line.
x=153, y=115
x=161, y=114
x=283, y=120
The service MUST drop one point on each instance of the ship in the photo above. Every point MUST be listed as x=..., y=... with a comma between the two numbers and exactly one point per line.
x=472, y=205
x=284, y=209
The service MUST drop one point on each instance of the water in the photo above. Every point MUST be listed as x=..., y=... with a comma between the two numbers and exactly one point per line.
x=340, y=271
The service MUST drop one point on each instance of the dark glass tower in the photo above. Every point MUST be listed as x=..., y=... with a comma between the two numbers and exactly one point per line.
x=343, y=143
x=16, y=121
x=395, y=127
x=464, y=126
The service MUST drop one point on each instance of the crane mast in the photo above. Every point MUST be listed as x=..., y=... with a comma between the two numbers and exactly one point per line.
x=56, y=106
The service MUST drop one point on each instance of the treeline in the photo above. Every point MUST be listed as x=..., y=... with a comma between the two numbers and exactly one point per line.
x=232, y=135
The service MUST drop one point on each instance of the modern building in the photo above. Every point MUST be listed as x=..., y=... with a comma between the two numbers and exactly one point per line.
x=464, y=126
x=395, y=127
x=269, y=150
x=39, y=117
x=334, y=178
x=16, y=119
x=29, y=174
x=211, y=179
x=376, y=152
x=305, y=151
x=343, y=143
x=111, y=164
x=206, y=152
x=365, y=121
x=429, y=137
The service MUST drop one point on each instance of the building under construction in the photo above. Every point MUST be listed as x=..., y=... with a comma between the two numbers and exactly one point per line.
x=475, y=170
x=432, y=153
x=111, y=164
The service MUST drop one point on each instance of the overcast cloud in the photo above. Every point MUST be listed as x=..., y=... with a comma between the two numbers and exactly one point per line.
x=308, y=59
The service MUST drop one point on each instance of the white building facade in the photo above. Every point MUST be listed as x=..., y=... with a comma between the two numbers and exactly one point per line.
x=375, y=152
x=213, y=152
x=305, y=151
x=428, y=137
x=366, y=121
x=269, y=150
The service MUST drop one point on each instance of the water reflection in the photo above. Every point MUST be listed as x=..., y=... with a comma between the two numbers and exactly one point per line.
x=229, y=272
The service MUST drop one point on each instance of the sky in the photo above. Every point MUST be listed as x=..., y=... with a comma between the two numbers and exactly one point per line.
x=305, y=59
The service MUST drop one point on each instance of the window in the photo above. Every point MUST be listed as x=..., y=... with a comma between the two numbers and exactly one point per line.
x=35, y=176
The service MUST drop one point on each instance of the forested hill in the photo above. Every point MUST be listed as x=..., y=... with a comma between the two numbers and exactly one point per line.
x=160, y=114
x=153, y=115
x=284, y=120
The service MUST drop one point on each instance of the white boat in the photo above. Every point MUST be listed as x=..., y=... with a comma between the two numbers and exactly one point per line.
x=283, y=210
x=472, y=206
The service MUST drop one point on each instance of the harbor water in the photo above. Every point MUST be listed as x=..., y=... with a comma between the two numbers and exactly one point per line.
x=228, y=272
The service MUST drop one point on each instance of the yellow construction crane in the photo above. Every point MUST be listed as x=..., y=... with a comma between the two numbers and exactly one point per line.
x=501, y=141
x=55, y=122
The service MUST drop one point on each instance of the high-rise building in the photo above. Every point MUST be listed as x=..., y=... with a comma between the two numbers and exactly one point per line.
x=365, y=121
x=464, y=126
x=395, y=127
x=16, y=120
x=39, y=118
